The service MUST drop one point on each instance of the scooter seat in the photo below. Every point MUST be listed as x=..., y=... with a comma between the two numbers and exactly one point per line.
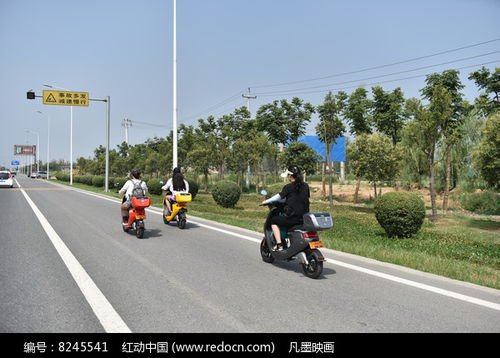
x=296, y=228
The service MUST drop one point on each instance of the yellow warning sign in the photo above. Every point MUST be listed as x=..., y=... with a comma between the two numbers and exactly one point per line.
x=65, y=98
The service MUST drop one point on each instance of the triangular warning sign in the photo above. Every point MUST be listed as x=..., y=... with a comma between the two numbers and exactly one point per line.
x=50, y=98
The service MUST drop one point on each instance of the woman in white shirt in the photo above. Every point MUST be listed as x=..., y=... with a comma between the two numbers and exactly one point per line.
x=128, y=189
x=177, y=184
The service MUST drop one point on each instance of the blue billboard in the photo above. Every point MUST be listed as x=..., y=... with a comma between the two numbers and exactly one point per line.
x=337, y=154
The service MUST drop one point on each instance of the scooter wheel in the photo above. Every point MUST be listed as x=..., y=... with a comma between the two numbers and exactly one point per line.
x=265, y=252
x=139, y=232
x=181, y=223
x=314, y=268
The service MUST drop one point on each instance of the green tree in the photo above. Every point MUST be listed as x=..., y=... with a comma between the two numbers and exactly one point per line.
x=451, y=127
x=329, y=128
x=487, y=155
x=489, y=82
x=388, y=113
x=302, y=155
x=374, y=157
x=357, y=114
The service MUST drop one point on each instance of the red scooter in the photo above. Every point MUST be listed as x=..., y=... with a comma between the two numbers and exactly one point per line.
x=136, y=215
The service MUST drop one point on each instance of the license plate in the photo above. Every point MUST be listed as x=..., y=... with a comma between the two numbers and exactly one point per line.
x=140, y=216
x=315, y=244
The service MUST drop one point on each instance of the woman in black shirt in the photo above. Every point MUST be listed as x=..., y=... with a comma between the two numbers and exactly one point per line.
x=297, y=195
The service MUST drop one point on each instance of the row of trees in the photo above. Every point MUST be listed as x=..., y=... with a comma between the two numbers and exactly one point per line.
x=395, y=138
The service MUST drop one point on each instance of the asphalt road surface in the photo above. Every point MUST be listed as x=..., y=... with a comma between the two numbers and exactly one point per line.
x=67, y=266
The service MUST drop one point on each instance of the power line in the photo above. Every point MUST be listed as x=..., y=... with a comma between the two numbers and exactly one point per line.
x=370, y=84
x=215, y=106
x=379, y=76
x=377, y=67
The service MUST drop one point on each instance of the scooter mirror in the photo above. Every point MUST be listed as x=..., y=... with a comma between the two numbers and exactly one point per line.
x=161, y=182
x=263, y=192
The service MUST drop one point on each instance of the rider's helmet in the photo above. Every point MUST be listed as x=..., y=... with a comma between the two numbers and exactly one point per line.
x=292, y=170
x=177, y=170
x=136, y=173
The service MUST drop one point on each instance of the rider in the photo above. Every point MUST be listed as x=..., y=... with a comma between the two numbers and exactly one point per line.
x=128, y=189
x=176, y=184
x=297, y=195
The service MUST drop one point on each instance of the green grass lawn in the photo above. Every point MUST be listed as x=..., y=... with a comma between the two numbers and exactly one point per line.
x=457, y=246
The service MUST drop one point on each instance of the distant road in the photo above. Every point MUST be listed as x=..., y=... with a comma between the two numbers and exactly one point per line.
x=67, y=266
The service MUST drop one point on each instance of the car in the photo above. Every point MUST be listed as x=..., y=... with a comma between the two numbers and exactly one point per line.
x=6, y=179
x=34, y=175
x=42, y=175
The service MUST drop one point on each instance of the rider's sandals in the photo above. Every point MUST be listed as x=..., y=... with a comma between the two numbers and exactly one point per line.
x=278, y=247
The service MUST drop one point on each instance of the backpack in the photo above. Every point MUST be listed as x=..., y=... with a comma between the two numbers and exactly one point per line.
x=137, y=191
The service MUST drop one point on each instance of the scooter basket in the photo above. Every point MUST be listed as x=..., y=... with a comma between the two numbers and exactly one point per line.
x=140, y=202
x=317, y=221
x=183, y=198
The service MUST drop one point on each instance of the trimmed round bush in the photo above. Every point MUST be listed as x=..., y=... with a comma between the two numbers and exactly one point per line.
x=119, y=183
x=193, y=188
x=400, y=213
x=62, y=176
x=226, y=193
x=98, y=181
x=154, y=186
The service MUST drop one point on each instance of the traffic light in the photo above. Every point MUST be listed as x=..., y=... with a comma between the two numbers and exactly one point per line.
x=31, y=95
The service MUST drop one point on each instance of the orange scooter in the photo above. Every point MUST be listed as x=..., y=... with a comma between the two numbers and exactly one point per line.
x=136, y=215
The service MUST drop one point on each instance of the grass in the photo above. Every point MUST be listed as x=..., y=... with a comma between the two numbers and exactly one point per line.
x=457, y=246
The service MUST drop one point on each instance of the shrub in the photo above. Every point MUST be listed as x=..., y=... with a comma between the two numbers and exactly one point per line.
x=226, y=193
x=193, y=188
x=274, y=189
x=98, y=181
x=400, y=213
x=154, y=186
x=482, y=202
x=62, y=176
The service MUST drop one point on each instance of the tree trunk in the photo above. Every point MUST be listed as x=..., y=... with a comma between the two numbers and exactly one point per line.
x=206, y=182
x=432, y=188
x=375, y=188
x=446, y=191
x=358, y=184
x=323, y=180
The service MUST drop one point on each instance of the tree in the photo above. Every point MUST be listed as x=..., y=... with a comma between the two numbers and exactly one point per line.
x=388, y=112
x=284, y=122
x=374, y=158
x=329, y=128
x=487, y=155
x=489, y=82
x=302, y=155
x=450, y=128
x=357, y=114
x=427, y=131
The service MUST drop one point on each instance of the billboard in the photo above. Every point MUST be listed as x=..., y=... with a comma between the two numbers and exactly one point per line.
x=25, y=150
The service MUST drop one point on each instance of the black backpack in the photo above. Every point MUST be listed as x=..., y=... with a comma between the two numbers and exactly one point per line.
x=138, y=191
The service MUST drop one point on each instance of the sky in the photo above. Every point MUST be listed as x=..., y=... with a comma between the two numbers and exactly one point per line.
x=277, y=48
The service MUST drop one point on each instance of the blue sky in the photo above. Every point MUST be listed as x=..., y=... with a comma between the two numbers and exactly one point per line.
x=123, y=49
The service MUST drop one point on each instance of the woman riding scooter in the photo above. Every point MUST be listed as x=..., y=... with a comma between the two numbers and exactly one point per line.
x=177, y=184
x=297, y=196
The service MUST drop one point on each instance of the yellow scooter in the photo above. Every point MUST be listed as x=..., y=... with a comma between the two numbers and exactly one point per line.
x=179, y=210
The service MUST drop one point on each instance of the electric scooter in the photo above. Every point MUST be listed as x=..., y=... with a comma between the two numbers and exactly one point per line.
x=136, y=215
x=300, y=242
x=179, y=209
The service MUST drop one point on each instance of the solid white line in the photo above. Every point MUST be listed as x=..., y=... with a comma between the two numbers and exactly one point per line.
x=109, y=318
x=393, y=278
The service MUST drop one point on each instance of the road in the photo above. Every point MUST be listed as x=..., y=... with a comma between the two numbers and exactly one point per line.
x=66, y=266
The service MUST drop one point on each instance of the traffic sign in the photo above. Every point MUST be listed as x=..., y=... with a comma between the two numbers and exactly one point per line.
x=65, y=98
x=14, y=162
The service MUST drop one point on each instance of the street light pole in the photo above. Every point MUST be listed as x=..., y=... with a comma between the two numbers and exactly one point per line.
x=70, y=136
x=175, y=85
x=48, y=143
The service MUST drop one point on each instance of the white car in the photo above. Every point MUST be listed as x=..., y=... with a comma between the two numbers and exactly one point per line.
x=6, y=179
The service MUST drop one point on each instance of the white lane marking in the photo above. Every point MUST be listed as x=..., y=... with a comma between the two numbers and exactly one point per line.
x=393, y=278
x=109, y=318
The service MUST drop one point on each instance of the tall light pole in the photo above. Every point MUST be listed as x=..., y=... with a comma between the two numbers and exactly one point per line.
x=48, y=142
x=70, y=136
x=37, y=148
x=175, y=86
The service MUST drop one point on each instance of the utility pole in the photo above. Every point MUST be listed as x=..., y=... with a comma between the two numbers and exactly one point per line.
x=174, y=85
x=248, y=97
x=125, y=124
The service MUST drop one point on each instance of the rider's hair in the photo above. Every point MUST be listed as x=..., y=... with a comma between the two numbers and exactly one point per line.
x=295, y=170
x=135, y=173
x=178, y=182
